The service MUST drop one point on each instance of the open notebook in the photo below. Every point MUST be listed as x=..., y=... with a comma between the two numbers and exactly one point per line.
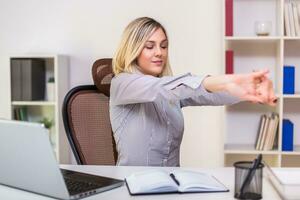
x=158, y=181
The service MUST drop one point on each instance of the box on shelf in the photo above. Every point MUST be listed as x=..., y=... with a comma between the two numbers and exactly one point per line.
x=27, y=79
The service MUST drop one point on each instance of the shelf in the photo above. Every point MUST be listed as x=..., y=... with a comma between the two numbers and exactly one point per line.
x=271, y=159
x=291, y=111
x=249, y=149
x=247, y=12
x=33, y=103
x=246, y=149
x=43, y=56
x=242, y=122
x=292, y=58
x=55, y=67
x=237, y=38
x=251, y=38
x=252, y=52
x=291, y=96
x=290, y=160
x=291, y=38
x=290, y=153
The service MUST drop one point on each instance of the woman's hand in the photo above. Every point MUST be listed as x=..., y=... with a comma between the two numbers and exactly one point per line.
x=255, y=87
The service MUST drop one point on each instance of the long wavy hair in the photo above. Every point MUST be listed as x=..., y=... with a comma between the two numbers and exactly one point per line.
x=132, y=43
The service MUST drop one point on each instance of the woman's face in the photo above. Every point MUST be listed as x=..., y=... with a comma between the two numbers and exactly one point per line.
x=154, y=55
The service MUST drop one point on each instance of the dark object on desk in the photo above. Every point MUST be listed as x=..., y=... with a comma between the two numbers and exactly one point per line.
x=86, y=119
x=248, y=179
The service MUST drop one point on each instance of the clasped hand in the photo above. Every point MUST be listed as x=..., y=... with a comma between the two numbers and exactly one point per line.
x=255, y=87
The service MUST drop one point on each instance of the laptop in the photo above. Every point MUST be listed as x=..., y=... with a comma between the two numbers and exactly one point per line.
x=28, y=163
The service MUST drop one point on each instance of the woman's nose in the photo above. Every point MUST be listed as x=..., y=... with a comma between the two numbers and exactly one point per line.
x=158, y=51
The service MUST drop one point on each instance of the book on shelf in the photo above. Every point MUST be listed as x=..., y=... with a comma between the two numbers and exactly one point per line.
x=291, y=18
x=16, y=80
x=271, y=132
x=287, y=20
x=229, y=17
x=298, y=11
x=296, y=18
x=16, y=114
x=288, y=79
x=33, y=79
x=229, y=68
x=263, y=119
x=158, y=181
x=20, y=113
x=287, y=135
x=267, y=132
x=28, y=79
x=264, y=133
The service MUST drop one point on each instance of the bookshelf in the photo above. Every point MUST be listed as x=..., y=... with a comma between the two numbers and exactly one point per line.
x=252, y=52
x=54, y=66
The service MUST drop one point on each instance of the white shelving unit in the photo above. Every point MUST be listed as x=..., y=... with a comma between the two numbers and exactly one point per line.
x=253, y=52
x=55, y=66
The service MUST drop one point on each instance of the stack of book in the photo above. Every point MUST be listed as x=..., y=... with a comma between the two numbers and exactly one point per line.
x=20, y=113
x=291, y=18
x=286, y=181
x=267, y=132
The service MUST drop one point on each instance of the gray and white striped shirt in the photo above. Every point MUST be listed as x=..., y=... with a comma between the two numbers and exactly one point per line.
x=146, y=116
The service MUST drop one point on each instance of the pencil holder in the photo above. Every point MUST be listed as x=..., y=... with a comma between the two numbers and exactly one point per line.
x=248, y=181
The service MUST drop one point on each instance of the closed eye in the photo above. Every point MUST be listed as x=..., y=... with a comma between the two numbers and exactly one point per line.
x=149, y=47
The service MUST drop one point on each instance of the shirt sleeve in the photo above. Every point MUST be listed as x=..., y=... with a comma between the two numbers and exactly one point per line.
x=138, y=88
x=209, y=98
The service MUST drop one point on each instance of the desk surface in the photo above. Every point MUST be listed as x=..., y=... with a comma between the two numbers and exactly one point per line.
x=225, y=175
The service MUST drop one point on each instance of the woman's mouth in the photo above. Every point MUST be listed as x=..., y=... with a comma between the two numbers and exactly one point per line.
x=157, y=62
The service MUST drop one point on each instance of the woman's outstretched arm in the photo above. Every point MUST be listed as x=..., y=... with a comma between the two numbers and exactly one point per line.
x=255, y=87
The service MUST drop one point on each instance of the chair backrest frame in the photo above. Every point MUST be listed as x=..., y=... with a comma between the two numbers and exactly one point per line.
x=101, y=72
x=80, y=158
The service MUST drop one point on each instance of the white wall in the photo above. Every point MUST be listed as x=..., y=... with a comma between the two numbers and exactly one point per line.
x=90, y=29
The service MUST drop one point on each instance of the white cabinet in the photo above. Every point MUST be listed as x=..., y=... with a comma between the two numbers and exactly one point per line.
x=252, y=52
x=55, y=70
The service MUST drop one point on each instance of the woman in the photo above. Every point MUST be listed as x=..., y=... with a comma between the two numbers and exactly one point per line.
x=146, y=100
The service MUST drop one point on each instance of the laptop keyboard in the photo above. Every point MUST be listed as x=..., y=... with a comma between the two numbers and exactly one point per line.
x=77, y=182
x=83, y=184
x=75, y=186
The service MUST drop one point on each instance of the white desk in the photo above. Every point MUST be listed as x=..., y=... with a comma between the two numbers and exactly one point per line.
x=225, y=175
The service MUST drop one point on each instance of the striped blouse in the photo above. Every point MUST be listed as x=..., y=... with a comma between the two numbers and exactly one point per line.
x=146, y=116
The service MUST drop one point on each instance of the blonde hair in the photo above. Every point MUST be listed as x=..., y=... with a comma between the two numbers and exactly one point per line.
x=132, y=43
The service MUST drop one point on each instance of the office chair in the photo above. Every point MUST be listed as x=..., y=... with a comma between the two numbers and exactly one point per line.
x=86, y=118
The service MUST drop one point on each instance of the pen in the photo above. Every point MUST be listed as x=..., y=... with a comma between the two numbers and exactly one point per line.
x=250, y=174
x=174, y=178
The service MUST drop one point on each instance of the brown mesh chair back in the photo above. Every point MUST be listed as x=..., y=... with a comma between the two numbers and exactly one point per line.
x=102, y=74
x=87, y=123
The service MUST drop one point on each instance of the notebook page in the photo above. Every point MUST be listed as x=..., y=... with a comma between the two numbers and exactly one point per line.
x=150, y=181
x=196, y=181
